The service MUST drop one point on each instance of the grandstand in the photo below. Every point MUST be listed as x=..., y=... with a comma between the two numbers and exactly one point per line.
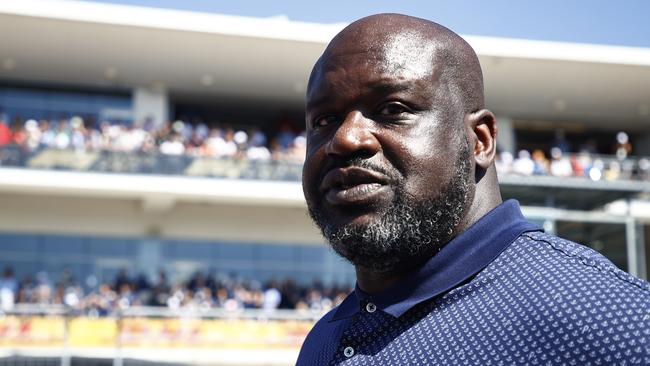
x=150, y=164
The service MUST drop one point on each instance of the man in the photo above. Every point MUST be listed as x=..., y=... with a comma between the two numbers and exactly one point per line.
x=400, y=177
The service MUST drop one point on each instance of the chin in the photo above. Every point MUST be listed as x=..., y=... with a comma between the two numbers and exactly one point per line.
x=351, y=216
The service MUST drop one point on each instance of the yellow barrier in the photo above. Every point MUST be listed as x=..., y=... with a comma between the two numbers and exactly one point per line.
x=32, y=331
x=146, y=333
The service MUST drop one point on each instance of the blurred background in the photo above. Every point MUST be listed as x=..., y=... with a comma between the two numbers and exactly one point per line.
x=151, y=210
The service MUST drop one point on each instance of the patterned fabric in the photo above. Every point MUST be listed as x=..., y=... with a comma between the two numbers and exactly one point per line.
x=542, y=301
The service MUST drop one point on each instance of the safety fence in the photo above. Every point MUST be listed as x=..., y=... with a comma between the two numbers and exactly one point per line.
x=149, y=163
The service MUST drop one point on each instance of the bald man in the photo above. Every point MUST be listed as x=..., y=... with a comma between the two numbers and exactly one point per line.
x=400, y=178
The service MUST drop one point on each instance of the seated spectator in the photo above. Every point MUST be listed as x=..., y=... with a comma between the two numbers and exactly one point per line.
x=5, y=133
x=173, y=146
x=8, y=289
x=504, y=163
x=541, y=163
x=560, y=164
x=523, y=165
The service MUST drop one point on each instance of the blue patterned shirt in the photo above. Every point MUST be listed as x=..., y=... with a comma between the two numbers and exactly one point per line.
x=501, y=293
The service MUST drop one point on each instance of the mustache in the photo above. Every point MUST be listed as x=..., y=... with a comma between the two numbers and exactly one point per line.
x=360, y=162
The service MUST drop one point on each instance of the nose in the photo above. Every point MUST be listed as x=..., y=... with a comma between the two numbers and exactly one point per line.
x=354, y=136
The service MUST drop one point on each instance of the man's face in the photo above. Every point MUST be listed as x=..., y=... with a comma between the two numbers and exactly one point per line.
x=387, y=170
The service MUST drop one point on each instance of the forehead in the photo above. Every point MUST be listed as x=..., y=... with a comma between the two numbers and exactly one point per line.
x=348, y=62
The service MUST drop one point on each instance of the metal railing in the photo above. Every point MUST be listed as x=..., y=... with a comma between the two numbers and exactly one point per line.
x=629, y=169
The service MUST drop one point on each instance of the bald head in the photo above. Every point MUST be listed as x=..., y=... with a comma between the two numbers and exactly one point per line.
x=412, y=47
x=400, y=150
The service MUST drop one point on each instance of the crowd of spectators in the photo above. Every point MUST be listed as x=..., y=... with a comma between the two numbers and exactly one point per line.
x=171, y=138
x=288, y=144
x=587, y=163
x=200, y=292
x=583, y=164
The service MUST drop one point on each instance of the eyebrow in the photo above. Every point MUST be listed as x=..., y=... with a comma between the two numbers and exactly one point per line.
x=376, y=87
x=383, y=87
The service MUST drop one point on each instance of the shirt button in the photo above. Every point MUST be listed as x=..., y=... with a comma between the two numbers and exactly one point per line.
x=370, y=307
x=348, y=352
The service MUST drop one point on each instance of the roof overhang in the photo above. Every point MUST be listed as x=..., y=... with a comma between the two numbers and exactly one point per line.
x=214, y=56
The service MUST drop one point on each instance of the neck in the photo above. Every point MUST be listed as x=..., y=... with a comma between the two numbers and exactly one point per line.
x=373, y=283
x=486, y=197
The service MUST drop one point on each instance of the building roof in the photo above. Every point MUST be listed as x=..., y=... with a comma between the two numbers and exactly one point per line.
x=204, y=56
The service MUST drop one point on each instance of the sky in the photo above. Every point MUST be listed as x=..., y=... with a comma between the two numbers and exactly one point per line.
x=613, y=22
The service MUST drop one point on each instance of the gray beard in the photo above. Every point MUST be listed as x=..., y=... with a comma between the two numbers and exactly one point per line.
x=409, y=233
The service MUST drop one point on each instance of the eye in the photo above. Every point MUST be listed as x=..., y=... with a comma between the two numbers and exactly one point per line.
x=324, y=121
x=393, y=109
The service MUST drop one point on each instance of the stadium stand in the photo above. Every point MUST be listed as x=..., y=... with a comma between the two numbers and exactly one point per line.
x=152, y=213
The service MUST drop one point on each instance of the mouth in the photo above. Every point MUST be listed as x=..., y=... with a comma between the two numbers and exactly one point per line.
x=353, y=186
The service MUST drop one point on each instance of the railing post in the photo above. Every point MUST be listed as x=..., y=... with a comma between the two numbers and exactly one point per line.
x=117, y=360
x=65, y=356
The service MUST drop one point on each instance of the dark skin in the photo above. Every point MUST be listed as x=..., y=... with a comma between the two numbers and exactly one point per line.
x=399, y=94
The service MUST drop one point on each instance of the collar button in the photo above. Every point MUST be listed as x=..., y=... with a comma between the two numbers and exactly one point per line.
x=348, y=352
x=370, y=307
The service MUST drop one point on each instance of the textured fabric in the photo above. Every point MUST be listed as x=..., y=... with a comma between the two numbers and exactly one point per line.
x=542, y=301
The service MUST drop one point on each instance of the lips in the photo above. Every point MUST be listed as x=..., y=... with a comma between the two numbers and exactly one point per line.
x=353, y=186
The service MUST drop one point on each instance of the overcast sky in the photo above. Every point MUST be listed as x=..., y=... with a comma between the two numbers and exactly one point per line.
x=618, y=22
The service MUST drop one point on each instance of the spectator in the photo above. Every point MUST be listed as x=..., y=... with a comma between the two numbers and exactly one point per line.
x=272, y=297
x=623, y=146
x=5, y=133
x=174, y=146
x=285, y=136
x=524, y=165
x=8, y=289
x=504, y=163
x=541, y=163
x=560, y=164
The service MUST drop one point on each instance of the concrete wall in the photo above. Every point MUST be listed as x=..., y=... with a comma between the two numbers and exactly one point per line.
x=57, y=214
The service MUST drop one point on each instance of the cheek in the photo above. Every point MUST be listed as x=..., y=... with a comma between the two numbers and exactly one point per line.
x=310, y=172
x=430, y=163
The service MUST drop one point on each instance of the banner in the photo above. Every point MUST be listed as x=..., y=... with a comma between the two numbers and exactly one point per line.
x=146, y=333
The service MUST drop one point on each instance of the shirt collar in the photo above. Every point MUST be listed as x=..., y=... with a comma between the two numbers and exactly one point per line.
x=460, y=259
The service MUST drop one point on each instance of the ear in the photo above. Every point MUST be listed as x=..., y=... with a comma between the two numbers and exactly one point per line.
x=483, y=132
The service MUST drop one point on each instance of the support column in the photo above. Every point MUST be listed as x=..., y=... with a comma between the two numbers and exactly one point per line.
x=149, y=258
x=506, y=139
x=631, y=246
x=150, y=104
x=642, y=263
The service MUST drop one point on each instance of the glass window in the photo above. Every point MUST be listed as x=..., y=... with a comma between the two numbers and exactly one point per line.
x=26, y=103
x=19, y=243
x=63, y=245
x=190, y=249
x=111, y=247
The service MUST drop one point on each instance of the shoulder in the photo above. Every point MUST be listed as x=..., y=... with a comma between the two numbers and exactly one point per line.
x=569, y=258
x=320, y=339
x=550, y=269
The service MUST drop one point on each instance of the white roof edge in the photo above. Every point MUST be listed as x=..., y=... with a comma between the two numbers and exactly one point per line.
x=284, y=29
x=139, y=16
x=151, y=187
x=561, y=51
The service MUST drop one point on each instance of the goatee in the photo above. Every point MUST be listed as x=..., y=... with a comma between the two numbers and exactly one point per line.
x=409, y=232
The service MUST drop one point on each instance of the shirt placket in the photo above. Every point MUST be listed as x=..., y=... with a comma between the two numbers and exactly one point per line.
x=358, y=338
